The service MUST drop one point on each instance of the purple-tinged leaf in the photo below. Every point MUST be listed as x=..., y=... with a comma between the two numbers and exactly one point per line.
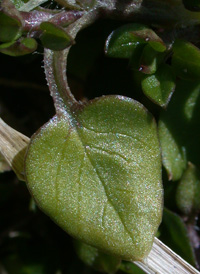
x=123, y=41
x=18, y=48
x=54, y=37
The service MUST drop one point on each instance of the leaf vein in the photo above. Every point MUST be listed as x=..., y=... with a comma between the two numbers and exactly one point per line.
x=59, y=165
x=116, y=134
x=104, y=185
x=80, y=186
x=111, y=153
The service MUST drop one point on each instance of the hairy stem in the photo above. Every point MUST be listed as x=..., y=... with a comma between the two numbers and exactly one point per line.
x=55, y=64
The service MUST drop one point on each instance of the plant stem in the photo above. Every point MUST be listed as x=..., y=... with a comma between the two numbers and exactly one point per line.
x=161, y=259
x=55, y=65
x=32, y=20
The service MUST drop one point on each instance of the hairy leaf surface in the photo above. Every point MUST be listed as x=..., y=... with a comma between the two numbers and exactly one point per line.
x=97, y=174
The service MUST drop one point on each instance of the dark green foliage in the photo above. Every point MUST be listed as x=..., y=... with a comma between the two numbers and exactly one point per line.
x=18, y=48
x=54, y=37
x=185, y=60
x=122, y=42
x=188, y=191
x=96, y=259
x=173, y=232
x=159, y=86
x=179, y=129
x=10, y=28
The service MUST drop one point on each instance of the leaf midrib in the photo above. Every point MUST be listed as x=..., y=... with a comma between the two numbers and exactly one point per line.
x=103, y=184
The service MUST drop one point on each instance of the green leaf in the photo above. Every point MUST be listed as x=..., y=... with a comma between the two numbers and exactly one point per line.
x=174, y=234
x=156, y=42
x=19, y=48
x=179, y=129
x=186, y=60
x=29, y=43
x=150, y=60
x=188, y=191
x=97, y=174
x=97, y=259
x=159, y=86
x=130, y=268
x=54, y=37
x=10, y=28
x=122, y=42
x=193, y=5
x=135, y=60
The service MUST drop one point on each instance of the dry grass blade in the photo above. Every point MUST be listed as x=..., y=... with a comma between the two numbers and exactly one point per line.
x=162, y=260
x=13, y=147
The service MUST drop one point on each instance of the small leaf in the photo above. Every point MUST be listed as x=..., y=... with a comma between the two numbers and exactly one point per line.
x=10, y=28
x=97, y=259
x=186, y=60
x=123, y=41
x=150, y=60
x=188, y=191
x=29, y=43
x=193, y=5
x=54, y=37
x=130, y=268
x=19, y=48
x=174, y=234
x=156, y=42
x=159, y=86
x=86, y=253
x=97, y=174
x=135, y=59
x=179, y=129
